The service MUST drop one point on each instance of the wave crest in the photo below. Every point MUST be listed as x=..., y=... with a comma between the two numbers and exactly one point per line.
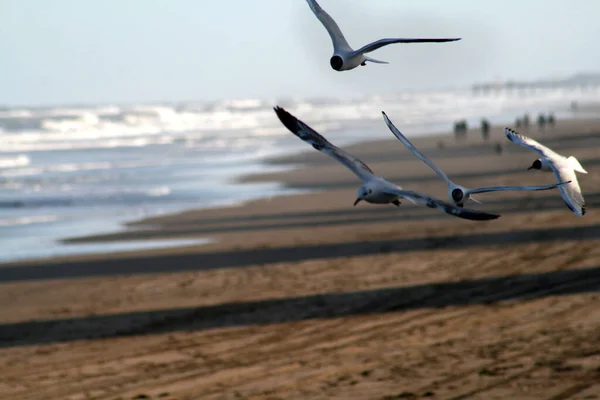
x=14, y=162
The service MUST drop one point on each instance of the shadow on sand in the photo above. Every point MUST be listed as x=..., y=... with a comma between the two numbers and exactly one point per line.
x=368, y=214
x=396, y=299
x=230, y=259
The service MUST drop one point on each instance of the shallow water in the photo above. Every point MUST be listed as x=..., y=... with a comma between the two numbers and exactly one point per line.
x=73, y=171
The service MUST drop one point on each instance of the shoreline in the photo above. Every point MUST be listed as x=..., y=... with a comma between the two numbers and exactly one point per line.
x=298, y=175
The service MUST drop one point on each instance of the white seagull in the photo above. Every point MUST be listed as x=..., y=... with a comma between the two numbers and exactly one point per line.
x=344, y=57
x=563, y=167
x=459, y=195
x=374, y=190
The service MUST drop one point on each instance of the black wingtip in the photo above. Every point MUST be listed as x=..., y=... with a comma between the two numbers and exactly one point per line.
x=286, y=118
x=484, y=217
x=508, y=132
x=477, y=216
x=492, y=216
x=387, y=119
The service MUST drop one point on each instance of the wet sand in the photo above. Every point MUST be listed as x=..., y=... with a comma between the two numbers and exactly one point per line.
x=308, y=297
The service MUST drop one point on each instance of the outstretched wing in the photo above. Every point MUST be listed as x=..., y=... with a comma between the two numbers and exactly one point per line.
x=414, y=150
x=530, y=143
x=571, y=193
x=337, y=37
x=384, y=42
x=317, y=141
x=447, y=208
x=515, y=188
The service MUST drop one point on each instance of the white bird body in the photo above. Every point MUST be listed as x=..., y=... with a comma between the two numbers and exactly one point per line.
x=458, y=194
x=344, y=57
x=564, y=169
x=378, y=191
x=374, y=189
x=348, y=60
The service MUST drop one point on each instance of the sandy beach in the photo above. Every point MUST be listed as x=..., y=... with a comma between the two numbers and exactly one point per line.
x=308, y=297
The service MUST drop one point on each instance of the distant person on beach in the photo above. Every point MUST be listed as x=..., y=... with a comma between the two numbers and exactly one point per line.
x=551, y=119
x=574, y=106
x=498, y=148
x=526, y=121
x=460, y=129
x=518, y=122
x=541, y=121
x=485, y=129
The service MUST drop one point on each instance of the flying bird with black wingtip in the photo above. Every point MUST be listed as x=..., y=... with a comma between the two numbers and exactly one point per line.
x=344, y=57
x=374, y=189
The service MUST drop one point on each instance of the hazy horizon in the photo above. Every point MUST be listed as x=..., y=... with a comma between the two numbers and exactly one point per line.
x=83, y=53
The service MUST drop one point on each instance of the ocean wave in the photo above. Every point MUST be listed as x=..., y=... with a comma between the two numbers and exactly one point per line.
x=72, y=196
x=40, y=145
x=14, y=162
x=38, y=219
x=143, y=125
x=159, y=191
x=69, y=167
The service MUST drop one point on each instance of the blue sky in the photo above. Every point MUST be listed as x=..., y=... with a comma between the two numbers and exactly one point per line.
x=121, y=51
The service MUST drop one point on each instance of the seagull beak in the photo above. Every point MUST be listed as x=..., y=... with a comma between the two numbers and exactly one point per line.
x=357, y=201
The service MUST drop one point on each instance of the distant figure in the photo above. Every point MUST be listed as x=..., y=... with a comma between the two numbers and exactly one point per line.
x=485, y=129
x=440, y=144
x=460, y=129
x=551, y=119
x=541, y=121
x=498, y=147
x=518, y=123
x=526, y=121
x=574, y=106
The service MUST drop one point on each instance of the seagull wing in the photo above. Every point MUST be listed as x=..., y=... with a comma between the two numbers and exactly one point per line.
x=337, y=37
x=415, y=151
x=515, y=188
x=384, y=42
x=571, y=193
x=317, y=141
x=447, y=208
x=530, y=143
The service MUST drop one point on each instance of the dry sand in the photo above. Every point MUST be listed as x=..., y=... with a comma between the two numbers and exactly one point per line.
x=307, y=297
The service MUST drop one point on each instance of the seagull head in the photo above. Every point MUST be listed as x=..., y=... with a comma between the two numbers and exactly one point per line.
x=363, y=192
x=336, y=62
x=537, y=164
x=457, y=195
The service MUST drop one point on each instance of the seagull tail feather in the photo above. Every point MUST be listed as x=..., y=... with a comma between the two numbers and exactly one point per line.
x=574, y=163
x=369, y=59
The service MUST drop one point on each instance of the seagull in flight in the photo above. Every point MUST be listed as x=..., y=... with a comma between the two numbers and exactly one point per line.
x=564, y=169
x=459, y=195
x=344, y=57
x=374, y=189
